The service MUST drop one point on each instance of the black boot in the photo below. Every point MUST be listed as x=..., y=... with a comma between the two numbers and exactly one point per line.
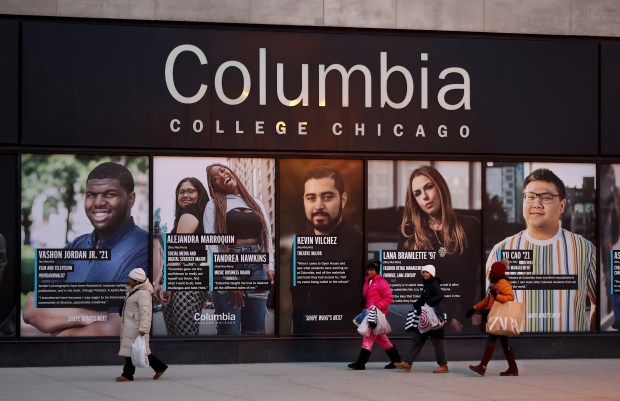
x=394, y=357
x=360, y=364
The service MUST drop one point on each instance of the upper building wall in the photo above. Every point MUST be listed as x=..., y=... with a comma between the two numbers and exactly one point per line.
x=541, y=17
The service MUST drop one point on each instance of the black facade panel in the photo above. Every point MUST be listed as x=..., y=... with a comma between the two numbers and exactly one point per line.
x=9, y=81
x=610, y=101
x=9, y=262
x=104, y=85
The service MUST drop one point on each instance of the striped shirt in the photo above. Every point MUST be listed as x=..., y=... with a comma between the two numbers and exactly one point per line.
x=566, y=257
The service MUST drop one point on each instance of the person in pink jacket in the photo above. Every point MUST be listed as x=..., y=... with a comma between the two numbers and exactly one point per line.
x=376, y=292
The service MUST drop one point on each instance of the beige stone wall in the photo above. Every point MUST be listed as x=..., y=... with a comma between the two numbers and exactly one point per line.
x=547, y=17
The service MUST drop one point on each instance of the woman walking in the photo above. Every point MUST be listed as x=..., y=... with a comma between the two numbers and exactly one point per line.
x=432, y=296
x=377, y=292
x=500, y=290
x=136, y=315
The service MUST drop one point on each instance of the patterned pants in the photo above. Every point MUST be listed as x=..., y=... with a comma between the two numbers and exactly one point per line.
x=179, y=313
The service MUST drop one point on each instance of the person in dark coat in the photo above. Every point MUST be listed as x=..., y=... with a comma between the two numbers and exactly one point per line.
x=432, y=296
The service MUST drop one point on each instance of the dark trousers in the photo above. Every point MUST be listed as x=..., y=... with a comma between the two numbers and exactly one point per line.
x=418, y=340
x=492, y=340
x=156, y=364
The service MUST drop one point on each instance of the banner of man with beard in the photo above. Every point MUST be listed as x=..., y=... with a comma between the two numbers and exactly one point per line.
x=327, y=259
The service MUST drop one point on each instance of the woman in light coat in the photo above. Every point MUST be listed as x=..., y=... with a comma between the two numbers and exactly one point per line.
x=136, y=313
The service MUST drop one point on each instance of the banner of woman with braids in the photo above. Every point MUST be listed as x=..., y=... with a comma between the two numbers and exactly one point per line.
x=214, y=266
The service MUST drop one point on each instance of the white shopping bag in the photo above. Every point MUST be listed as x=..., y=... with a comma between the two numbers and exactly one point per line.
x=428, y=319
x=383, y=326
x=138, y=353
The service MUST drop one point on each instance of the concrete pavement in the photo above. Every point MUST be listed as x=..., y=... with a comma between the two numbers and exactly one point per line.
x=560, y=379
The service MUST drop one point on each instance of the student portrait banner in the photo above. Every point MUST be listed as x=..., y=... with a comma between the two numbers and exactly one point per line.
x=84, y=228
x=542, y=219
x=423, y=212
x=214, y=267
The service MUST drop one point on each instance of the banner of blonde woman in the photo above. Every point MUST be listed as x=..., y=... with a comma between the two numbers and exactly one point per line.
x=427, y=212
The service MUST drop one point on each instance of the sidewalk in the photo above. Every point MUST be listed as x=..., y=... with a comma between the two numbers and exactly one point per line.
x=561, y=379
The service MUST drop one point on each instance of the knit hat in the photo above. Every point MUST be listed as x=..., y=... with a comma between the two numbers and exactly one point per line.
x=375, y=265
x=498, y=269
x=430, y=269
x=138, y=274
